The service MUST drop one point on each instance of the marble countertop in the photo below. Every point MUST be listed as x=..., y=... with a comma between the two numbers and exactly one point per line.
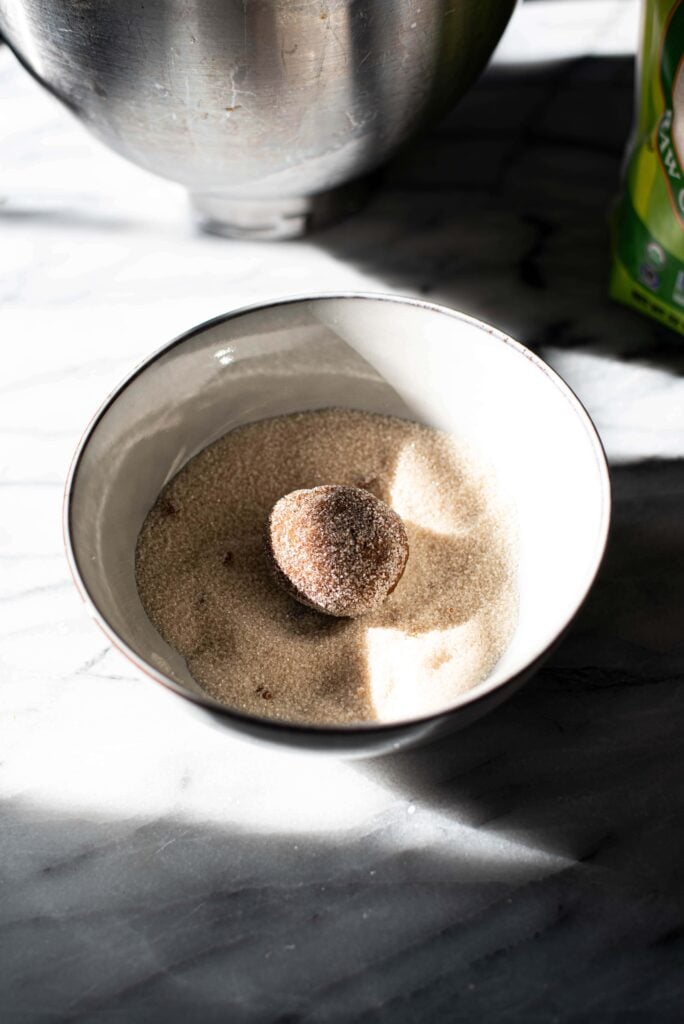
x=526, y=870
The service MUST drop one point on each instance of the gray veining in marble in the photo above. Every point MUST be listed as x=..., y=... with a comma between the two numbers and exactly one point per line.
x=527, y=871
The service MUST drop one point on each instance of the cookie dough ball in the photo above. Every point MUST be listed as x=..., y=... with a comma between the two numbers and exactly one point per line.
x=337, y=549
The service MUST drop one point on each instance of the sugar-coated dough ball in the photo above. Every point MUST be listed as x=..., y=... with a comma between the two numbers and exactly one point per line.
x=337, y=549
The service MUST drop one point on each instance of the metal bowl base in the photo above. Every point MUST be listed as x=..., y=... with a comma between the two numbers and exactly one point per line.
x=288, y=217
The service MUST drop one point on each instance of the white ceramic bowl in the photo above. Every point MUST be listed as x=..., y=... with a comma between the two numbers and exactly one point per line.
x=384, y=354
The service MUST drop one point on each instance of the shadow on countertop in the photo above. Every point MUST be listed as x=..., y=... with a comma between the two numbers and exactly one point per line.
x=502, y=211
x=587, y=761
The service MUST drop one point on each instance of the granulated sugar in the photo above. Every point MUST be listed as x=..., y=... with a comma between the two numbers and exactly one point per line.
x=205, y=581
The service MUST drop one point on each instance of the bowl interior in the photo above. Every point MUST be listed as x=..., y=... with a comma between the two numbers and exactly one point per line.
x=388, y=356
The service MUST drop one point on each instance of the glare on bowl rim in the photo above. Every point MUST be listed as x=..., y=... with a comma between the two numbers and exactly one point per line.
x=476, y=693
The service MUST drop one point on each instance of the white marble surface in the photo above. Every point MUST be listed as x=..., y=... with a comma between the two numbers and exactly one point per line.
x=527, y=870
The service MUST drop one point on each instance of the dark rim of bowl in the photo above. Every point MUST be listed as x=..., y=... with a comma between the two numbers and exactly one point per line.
x=478, y=692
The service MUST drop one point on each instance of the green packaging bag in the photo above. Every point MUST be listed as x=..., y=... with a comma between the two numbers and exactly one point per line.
x=648, y=224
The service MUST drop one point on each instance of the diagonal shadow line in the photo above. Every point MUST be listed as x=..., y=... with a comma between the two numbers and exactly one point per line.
x=587, y=761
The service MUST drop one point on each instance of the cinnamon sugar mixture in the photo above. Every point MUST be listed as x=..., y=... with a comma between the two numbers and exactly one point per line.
x=207, y=585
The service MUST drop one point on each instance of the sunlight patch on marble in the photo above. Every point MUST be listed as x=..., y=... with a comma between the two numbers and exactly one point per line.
x=550, y=29
x=638, y=410
x=150, y=755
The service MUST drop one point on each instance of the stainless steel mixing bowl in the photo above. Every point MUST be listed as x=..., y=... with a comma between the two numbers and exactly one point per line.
x=268, y=111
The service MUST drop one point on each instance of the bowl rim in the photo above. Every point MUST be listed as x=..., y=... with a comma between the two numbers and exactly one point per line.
x=482, y=690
